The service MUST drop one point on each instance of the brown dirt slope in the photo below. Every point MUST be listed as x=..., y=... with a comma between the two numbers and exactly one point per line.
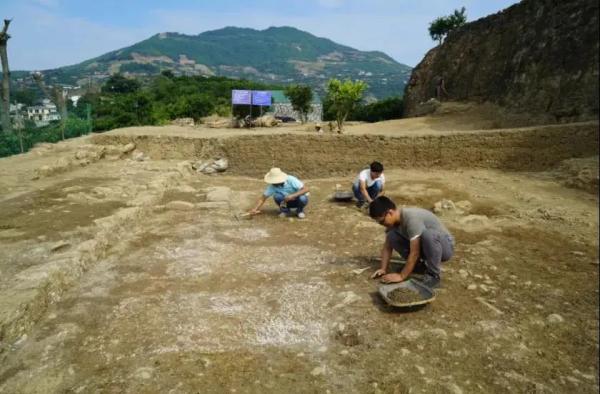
x=538, y=58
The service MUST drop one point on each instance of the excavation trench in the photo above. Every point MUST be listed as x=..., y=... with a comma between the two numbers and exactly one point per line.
x=314, y=156
x=173, y=292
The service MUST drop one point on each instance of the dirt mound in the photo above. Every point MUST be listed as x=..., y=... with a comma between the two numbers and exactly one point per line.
x=533, y=39
x=580, y=173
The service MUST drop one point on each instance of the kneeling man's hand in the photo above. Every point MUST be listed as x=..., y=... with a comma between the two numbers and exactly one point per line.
x=377, y=273
x=392, y=278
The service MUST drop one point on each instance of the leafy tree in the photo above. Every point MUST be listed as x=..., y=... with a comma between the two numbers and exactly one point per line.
x=343, y=97
x=167, y=73
x=301, y=97
x=389, y=108
x=120, y=84
x=26, y=96
x=441, y=26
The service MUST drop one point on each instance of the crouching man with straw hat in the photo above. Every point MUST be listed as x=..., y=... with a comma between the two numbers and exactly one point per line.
x=287, y=191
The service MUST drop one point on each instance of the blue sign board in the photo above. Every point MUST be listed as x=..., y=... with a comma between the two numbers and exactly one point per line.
x=261, y=97
x=242, y=97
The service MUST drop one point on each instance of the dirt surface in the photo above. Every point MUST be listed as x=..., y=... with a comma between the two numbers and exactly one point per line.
x=133, y=276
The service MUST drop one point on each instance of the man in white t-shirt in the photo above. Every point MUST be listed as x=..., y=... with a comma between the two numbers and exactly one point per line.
x=368, y=185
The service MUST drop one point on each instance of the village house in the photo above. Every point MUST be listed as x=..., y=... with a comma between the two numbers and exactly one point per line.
x=282, y=107
x=43, y=114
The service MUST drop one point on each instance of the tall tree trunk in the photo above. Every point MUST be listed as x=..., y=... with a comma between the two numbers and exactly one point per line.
x=4, y=36
x=62, y=107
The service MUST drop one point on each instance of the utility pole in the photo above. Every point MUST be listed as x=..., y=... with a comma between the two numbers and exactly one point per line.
x=4, y=36
x=88, y=113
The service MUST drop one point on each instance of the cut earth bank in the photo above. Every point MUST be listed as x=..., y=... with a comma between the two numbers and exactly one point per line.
x=119, y=275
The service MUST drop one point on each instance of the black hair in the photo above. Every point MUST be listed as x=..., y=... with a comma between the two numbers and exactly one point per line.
x=376, y=166
x=379, y=206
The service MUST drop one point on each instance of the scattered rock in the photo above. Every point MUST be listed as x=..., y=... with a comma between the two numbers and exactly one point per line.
x=420, y=369
x=138, y=156
x=266, y=121
x=439, y=333
x=444, y=205
x=577, y=253
x=555, y=318
x=20, y=340
x=183, y=122
x=349, y=298
x=348, y=336
x=463, y=273
x=143, y=373
x=180, y=205
x=472, y=286
x=464, y=205
x=490, y=306
x=219, y=164
x=317, y=371
x=59, y=245
x=427, y=107
x=459, y=334
x=215, y=121
x=454, y=389
x=128, y=148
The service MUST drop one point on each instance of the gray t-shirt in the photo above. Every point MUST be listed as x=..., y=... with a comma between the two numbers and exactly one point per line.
x=416, y=220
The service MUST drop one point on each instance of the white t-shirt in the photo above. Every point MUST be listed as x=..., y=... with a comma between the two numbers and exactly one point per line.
x=365, y=175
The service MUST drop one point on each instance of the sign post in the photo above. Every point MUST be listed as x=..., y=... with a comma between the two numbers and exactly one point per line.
x=262, y=98
x=242, y=97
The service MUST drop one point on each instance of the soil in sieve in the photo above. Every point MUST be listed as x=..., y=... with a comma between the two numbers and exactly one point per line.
x=403, y=295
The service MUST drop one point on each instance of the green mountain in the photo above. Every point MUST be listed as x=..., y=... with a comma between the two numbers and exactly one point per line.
x=278, y=55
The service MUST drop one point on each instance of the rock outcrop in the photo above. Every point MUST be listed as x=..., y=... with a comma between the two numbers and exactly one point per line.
x=538, y=57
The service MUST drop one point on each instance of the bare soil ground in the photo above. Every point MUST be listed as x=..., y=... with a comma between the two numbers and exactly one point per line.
x=140, y=276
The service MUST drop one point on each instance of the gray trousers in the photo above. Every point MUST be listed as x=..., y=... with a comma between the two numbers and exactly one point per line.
x=436, y=247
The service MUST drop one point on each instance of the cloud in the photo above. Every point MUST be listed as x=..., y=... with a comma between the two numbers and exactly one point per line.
x=55, y=40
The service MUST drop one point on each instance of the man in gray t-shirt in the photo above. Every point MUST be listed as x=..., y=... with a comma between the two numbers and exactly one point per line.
x=415, y=233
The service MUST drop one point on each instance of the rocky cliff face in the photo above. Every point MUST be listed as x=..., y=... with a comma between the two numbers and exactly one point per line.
x=539, y=57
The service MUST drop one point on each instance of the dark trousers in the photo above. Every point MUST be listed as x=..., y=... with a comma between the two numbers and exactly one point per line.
x=372, y=191
x=299, y=203
x=436, y=247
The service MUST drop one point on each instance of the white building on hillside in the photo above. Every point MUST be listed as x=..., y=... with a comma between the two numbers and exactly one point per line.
x=43, y=114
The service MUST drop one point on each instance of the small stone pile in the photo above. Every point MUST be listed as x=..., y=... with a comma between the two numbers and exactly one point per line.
x=211, y=166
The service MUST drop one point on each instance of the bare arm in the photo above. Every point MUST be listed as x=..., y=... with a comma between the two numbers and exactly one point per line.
x=363, y=191
x=386, y=254
x=411, y=261
x=293, y=196
x=259, y=204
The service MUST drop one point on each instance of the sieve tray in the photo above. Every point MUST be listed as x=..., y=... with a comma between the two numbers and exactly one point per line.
x=426, y=294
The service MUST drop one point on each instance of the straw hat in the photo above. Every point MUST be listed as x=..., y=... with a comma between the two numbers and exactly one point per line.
x=275, y=175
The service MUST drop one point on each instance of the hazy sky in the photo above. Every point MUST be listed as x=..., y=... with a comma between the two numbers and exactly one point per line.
x=52, y=33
